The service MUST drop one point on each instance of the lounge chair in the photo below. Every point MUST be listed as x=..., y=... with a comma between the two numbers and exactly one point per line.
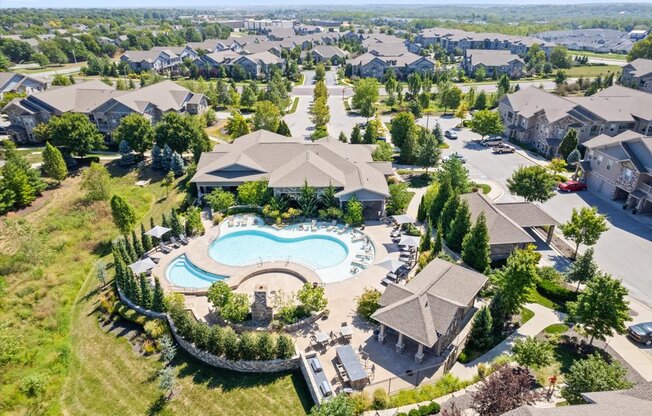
x=333, y=226
x=354, y=270
x=165, y=249
x=344, y=229
x=392, y=276
x=230, y=222
x=313, y=226
x=183, y=239
x=174, y=242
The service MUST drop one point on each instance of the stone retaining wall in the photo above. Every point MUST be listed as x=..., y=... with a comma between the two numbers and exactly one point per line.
x=239, y=328
x=147, y=312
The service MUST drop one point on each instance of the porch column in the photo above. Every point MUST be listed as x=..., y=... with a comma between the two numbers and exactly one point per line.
x=400, y=346
x=381, y=334
x=418, y=357
x=551, y=232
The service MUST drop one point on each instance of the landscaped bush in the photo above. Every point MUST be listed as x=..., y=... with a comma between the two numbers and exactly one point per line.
x=430, y=409
x=556, y=292
x=445, y=385
x=380, y=399
x=312, y=297
x=368, y=303
x=236, y=308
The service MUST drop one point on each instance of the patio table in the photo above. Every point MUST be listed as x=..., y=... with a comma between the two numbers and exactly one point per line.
x=322, y=337
x=346, y=331
x=354, y=370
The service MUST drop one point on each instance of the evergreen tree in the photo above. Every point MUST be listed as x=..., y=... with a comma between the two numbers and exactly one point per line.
x=126, y=154
x=166, y=161
x=356, y=136
x=138, y=246
x=568, y=144
x=449, y=212
x=151, y=222
x=426, y=240
x=177, y=165
x=574, y=157
x=583, y=269
x=124, y=216
x=157, y=157
x=131, y=251
x=158, y=297
x=439, y=243
x=343, y=137
x=438, y=133
x=145, y=239
x=481, y=332
x=53, y=164
x=283, y=129
x=475, y=247
x=145, y=292
x=459, y=228
x=175, y=223
x=135, y=288
x=164, y=221
x=444, y=192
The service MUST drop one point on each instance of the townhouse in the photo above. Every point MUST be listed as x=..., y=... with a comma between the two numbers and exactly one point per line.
x=103, y=104
x=638, y=74
x=542, y=119
x=374, y=65
x=494, y=63
x=24, y=84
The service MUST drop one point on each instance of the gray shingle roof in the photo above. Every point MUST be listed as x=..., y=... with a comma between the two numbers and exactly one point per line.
x=526, y=214
x=491, y=58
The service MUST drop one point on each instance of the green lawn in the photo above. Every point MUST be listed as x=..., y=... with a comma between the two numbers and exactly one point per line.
x=556, y=329
x=47, y=304
x=591, y=71
x=526, y=315
x=614, y=56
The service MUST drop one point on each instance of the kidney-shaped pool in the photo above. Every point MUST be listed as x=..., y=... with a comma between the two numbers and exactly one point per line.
x=246, y=247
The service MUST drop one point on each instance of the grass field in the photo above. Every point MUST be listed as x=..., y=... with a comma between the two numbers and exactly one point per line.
x=613, y=56
x=46, y=306
x=590, y=71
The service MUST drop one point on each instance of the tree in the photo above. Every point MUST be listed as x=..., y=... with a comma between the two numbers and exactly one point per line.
x=237, y=125
x=450, y=97
x=557, y=166
x=249, y=97
x=127, y=157
x=342, y=137
x=532, y=353
x=284, y=347
x=475, y=246
x=283, y=129
x=574, y=157
x=559, y=57
x=166, y=381
x=439, y=135
x=485, y=122
x=340, y=405
x=365, y=95
x=236, y=308
x=583, y=269
x=307, y=200
x=135, y=130
x=593, y=374
x=177, y=166
x=168, y=181
x=568, y=144
x=399, y=198
x=514, y=282
x=320, y=72
x=448, y=212
x=372, y=132
x=53, y=164
x=459, y=227
x=402, y=126
x=414, y=84
x=20, y=183
x=383, y=152
x=503, y=85
x=320, y=113
x=534, y=183
x=356, y=136
x=75, y=132
x=506, y=389
x=145, y=239
x=601, y=309
x=254, y=192
x=640, y=49
x=219, y=293
x=438, y=202
x=584, y=227
x=179, y=132
x=124, y=216
x=96, y=182
x=354, y=214
x=426, y=240
x=462, y=111
x=166, y=160
x=267, y=116
x=312, y=297
x=481, y=101
x=157, y=157
x=560, y=78
x=439, y=242
x=220, y=200
x=415, y=108
x=481, y=336
x=409, y=148
x=427, y=152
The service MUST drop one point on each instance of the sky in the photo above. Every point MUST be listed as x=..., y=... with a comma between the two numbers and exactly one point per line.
x=235, y=3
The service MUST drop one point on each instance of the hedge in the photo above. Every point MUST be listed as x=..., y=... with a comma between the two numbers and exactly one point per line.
x=555, y=292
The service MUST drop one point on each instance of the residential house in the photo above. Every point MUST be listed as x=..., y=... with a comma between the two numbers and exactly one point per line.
x=103, y=104
x=594, y=40
x=321, y=53
x=542, y=119
x=495, y=63
x=289, y=163
x=154, y=59
x=509, y=224
x=259, y=64
x=620, y=168
x=635, y=401
x=24, y=84
x=370, y=65
x=638, y=74
x=431, y=309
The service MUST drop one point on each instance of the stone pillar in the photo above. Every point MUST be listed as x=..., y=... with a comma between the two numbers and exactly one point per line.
x=381, y=334
x=400, y=346
x=551, y=232
x=260, y=312
x=418, y=357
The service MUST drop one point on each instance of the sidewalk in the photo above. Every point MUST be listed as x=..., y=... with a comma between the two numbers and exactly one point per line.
x=542, y=318
x=638, y=356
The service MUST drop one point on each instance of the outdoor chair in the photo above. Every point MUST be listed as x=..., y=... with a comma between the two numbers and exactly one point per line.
x=343, y=230
x=165, y=249
x=183, y=239
x=174, y=242
x=332, y=227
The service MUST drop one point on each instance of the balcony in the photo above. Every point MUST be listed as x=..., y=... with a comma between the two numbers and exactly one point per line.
x=645, y=188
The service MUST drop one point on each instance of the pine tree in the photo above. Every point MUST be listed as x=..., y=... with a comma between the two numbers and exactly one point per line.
x=119, y=273
x=343, y=137
x=164, y=221
x=475, y=247
x=124, y=254
x=356, y=136
x=481, y=332
x=583, y=269
x=448, y=212
x=138, y=247
x=177, y=166
x=175, y=223
x=444, y=192
x=439, y=243
x=146, y=240
x=568, y=144
x=145, y=292
x=166, y=161
x=151, y=223
x=283, y=129
x=157, y=157
x=459, y=228
x=127, y=155
x=131, y=252
x=158, y=298
x=426, y=240
x=421, y=211
x=53, y=164
x=135, y=288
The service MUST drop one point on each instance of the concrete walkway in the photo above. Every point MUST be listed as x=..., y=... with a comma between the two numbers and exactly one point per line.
x=542, y=318
x=413, y=207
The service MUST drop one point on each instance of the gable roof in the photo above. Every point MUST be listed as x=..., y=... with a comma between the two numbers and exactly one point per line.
x=166, y=95
x=426, y=307
x=491, y=58
x=640, y=67
x=10, y=80
x=78, y=98
x=628, y=145
x=618, y=104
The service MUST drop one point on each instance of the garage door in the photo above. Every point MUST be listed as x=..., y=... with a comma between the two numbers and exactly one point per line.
x=599, y=186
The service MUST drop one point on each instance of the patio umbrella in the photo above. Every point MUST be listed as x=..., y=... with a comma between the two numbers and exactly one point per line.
x=403, y=219
x=391, y=264
x=157, y=232
x=410, y=241
x=142, y=266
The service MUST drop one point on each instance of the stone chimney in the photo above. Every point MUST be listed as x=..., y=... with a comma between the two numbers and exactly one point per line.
x=260, y=312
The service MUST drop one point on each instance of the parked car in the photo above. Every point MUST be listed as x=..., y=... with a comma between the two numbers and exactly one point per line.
x=641, y=333
x=457, y=156
x=504, y=148
x=572, y=186
x=451, y=134
x=492, y=141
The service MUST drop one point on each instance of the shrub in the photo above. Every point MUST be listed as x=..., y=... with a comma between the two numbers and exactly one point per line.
x=556, y=292
x=155, y=328
x=284, y=347
x=219, y=294
x=368, y=303
x=266, y=346
x=219, y=199
x=360, y=401
x=430, y=409
x=236, y=308
x=414, y=412
x=248, y=342
x=380, y=400
x=216, y=341
x=231, y=344
x=312, y=297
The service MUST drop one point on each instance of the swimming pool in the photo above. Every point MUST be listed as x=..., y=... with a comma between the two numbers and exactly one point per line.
x=246, y=247
x=181, y=272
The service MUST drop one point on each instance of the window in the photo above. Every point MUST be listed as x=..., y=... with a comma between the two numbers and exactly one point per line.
x=610, y=163
x=599, y=160
x=627, y=174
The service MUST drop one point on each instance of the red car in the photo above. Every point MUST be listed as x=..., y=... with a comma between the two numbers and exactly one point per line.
x=572, y=186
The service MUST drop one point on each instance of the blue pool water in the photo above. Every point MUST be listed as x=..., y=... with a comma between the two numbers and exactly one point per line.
x=181, y=272
x=251, y=246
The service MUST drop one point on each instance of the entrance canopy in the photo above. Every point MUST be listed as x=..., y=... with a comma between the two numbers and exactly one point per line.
x=403, y=219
